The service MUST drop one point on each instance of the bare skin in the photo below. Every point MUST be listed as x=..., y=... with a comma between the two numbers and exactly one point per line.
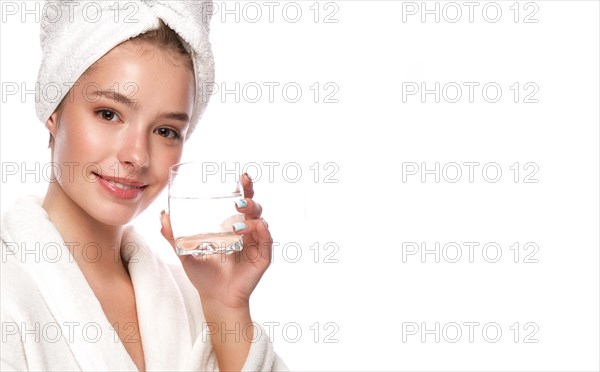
x=108, y=277
x=225, y=287
x=138, y=141
x=128, y=142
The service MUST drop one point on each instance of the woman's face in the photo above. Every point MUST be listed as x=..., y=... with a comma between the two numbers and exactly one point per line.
x=120, y=129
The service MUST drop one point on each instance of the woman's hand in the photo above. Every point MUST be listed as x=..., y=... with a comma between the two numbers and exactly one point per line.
x=227, y=281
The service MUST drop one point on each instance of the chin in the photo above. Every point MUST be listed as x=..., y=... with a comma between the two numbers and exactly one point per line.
x=113, y=214
x=115, y=218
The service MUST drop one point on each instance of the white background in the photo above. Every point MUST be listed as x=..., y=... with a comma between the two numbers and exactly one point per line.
x=355, y=313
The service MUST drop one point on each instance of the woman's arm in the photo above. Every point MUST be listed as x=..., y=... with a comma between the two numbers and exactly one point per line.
x=231, y=332
x=225, y=283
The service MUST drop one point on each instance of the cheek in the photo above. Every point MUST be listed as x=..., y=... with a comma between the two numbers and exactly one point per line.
x=162, y=159
x=76, y=141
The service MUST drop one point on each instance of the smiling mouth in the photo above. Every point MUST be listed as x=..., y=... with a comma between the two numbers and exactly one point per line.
x=124, y=187
x=129, y=186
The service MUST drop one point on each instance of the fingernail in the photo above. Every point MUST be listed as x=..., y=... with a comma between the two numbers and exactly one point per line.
x=161, y=215
x=265, y=223
x=241, y=203
x=238, y=226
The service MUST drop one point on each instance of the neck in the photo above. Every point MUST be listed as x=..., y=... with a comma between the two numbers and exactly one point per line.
x=95, y=246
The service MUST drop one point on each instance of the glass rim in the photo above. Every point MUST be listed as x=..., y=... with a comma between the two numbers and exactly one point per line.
x=173, y=168
x=195, y=171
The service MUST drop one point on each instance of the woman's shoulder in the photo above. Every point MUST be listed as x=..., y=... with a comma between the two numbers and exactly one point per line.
x=24, y=213
x=27, y=235
x=15, y=279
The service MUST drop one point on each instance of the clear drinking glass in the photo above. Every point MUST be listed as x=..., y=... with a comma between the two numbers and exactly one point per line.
x=202, y=209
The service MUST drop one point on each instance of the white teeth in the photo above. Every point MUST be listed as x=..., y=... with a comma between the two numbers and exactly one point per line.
x=124, y=187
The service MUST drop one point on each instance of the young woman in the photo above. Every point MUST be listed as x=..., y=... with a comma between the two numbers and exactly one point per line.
x=80, y=290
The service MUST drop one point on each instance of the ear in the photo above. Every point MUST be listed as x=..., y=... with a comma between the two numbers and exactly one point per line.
x=52, y=124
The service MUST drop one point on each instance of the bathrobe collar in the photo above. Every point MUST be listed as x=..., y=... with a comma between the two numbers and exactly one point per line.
x=162, y=315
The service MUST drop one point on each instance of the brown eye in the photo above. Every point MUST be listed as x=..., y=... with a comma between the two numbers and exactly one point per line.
x=167, y=133
x=107, y=115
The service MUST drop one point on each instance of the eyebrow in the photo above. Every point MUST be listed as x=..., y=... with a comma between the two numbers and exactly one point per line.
x=118, y=97
x=180, y=116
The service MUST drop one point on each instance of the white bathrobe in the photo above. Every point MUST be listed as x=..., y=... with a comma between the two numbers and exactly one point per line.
x=52, y=321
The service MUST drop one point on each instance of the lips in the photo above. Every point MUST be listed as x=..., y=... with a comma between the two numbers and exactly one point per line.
x=122, y=188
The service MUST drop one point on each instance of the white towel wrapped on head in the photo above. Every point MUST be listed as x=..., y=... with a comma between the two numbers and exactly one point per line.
x=74, y=35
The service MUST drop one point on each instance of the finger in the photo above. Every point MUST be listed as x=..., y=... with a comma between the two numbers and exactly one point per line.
x=249, y=207
x=248, y=186
x=258, y=229
x=166, y=230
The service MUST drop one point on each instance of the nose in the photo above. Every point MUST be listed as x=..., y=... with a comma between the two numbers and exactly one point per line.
x=133, y=148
